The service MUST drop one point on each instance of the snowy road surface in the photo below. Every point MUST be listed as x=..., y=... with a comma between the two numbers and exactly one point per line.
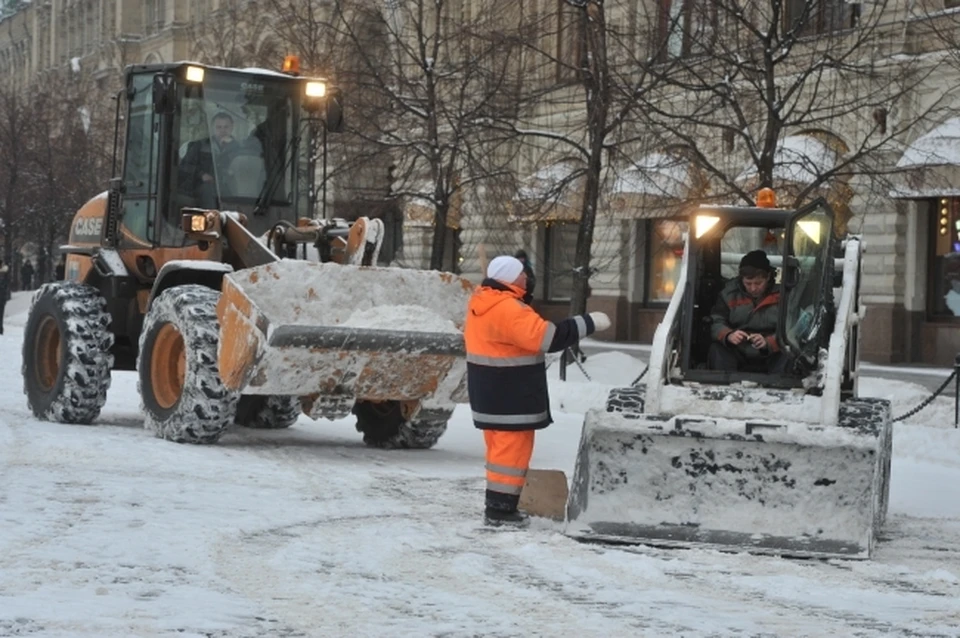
x=107, y=531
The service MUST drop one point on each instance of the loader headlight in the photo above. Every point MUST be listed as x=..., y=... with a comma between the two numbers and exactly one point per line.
x=315, y=89
x=202, y=222
x=194, y=74
x=703, y=223
x=811, y=229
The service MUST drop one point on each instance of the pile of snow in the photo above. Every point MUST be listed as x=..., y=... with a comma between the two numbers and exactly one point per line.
x=296, y=292
x=403, y=317
x=940, y=146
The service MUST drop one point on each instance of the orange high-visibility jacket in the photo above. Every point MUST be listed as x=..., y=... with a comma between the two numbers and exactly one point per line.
x=506, y=340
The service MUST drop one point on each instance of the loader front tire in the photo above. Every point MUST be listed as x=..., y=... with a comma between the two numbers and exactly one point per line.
x=183, y=397
x=628, y=401
x=66, y=353
x=383, y=425
x=268, y=412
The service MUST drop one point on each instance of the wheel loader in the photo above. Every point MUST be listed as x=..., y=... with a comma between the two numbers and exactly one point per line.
x=793, y=463
x=204, y=269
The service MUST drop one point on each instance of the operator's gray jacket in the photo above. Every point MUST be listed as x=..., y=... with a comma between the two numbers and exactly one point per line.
x=737, y=310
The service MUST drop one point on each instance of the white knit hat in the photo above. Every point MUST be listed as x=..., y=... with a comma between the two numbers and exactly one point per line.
x=505, y=269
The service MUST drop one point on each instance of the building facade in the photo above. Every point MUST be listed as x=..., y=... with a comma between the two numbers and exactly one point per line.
x=911, y=282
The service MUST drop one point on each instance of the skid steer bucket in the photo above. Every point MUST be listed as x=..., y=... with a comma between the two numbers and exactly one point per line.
x=307, y=329
x=791, y=489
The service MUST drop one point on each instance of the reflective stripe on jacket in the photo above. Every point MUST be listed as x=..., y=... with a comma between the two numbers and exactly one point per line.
x=505, y=341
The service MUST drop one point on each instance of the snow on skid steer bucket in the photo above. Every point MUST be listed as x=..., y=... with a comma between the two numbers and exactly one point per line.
x=324, y=330
x=763, y=487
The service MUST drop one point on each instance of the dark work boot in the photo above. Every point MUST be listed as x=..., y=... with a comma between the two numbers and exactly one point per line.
x=505, y=518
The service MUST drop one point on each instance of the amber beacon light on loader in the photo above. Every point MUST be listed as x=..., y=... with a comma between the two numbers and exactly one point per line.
x=792, y=463
x=205, y=268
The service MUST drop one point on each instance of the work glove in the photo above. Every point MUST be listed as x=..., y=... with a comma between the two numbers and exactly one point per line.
x=600, y=321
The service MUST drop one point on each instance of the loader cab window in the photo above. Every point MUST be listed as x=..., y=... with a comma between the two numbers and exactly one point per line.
x=140, y=161
x=766, y=274
x=234, y=137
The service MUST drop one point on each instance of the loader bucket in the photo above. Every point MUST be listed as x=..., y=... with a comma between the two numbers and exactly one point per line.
x=790, y=489
x=311, y=329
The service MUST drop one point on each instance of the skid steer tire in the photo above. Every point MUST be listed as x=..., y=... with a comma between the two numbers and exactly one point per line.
x=182, y=395
x=384, y=427
x=627, y=401
x=66, y=353
x=267, y=412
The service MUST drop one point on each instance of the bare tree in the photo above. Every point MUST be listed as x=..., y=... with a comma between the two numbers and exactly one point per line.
x=744, y=76
x=594, y=69
x=428, y=76
x=235, y=34
x=68, y=160
x=15, y=125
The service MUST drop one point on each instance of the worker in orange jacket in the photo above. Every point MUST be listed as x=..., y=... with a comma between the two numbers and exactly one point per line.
x=507, y=379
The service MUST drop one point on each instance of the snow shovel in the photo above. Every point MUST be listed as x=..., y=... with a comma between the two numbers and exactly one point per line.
x=545, y=494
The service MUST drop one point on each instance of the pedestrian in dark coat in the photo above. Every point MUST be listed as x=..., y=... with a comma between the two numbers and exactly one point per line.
x=507, y=381
x=26, y=275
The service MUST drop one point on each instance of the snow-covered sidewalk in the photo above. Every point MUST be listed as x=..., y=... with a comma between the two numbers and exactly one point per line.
x=108, y=531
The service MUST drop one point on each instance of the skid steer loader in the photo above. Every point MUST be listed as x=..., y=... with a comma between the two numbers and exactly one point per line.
x=792, y=464
x=204, y=269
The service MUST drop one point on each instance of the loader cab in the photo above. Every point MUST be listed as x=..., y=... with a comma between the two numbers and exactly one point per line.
x=219, y=139
x=799, y=246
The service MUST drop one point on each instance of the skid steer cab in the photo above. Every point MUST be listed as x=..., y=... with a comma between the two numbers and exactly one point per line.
x=781, y=459
x=204, y=268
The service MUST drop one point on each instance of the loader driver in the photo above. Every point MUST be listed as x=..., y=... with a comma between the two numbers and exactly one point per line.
x=507, y=379
x=744, y=321
x=205, y=159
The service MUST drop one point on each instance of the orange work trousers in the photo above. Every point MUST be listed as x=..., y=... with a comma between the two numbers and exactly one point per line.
x=508, y=459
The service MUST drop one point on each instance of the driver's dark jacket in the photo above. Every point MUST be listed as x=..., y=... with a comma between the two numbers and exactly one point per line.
x=199, y=159
x=737, y=310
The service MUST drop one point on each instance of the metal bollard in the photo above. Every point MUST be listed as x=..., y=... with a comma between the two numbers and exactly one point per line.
x=956, y=391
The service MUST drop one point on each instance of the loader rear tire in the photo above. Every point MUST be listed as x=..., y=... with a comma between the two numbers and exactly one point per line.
x=183, y=397
x=66, y=353
x=267, y=412
x=383, y=426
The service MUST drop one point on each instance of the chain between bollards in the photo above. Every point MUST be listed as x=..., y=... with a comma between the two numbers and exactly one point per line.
x=955, y=377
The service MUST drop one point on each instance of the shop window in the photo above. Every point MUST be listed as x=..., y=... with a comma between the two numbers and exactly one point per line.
x=560, y=247
x=945, y=260
x=665, y=254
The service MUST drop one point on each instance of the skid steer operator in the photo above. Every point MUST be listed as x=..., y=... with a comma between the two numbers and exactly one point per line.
x=744, y=320
x=507, y=380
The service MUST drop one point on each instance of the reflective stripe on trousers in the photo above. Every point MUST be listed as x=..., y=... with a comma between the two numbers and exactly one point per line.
x=508, y=458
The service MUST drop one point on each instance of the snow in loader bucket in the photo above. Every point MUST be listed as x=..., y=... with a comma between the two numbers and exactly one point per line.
x=311, y=329
x=789, y=489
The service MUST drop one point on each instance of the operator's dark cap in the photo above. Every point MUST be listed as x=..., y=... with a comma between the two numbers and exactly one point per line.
x=756, y=259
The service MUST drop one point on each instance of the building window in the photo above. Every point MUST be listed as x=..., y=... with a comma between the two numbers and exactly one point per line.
x=560, y=245
x=945, y=259
x=570, y=44
x=685, y=28
x=665, y=252
x=809, y=17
